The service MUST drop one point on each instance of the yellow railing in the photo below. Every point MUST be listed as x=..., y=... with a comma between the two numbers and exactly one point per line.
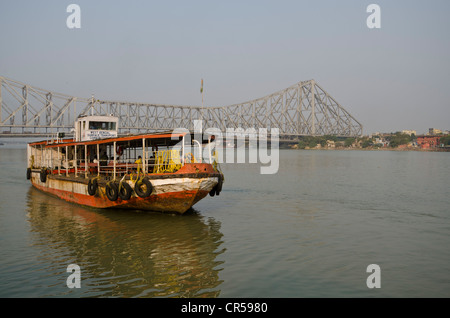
x=167, y=161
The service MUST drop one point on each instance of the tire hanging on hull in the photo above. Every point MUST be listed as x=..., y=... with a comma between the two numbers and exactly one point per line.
x=219, y=185
x=92, y=186
x=217, y=188
x=138, y=188
x=43, y=175
x=125, y=191
x=112, y=192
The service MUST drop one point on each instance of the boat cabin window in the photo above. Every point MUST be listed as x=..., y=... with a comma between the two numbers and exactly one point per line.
x=102, y=125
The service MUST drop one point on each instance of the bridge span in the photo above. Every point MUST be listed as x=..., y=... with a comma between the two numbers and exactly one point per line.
x=303, y=109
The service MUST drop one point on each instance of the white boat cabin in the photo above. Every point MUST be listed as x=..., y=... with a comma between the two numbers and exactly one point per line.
x=96, y=127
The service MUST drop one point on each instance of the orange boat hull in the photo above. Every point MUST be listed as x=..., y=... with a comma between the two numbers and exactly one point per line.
x=176, y=192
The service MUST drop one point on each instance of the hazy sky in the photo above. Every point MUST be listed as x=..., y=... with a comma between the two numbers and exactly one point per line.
x=390, y=79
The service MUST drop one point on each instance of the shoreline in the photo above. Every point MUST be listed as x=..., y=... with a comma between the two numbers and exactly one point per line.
x=372, y=149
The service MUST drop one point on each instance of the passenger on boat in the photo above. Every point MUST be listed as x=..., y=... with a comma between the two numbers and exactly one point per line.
x=139, y=163
x=103, y=159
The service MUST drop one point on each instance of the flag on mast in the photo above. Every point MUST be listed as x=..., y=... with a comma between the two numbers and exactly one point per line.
x=201, y=88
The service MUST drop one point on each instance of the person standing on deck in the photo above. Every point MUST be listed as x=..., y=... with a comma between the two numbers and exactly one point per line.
x=103, y=159
x=139, y=164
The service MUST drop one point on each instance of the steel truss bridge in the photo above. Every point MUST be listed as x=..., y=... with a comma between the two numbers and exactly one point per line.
x=303, y=109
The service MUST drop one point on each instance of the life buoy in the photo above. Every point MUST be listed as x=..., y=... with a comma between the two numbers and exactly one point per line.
x=28, y=173
x=43, y=175
x=92, y=186
x=111, y=191
x=125, y=191
x=143, y=193
x=119, y=150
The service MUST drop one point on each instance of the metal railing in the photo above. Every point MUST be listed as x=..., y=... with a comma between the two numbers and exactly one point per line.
x=157, y=162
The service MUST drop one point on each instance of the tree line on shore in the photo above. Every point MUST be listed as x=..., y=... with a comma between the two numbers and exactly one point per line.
x=393, y=140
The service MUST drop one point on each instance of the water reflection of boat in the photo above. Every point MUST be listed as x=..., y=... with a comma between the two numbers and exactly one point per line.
x=128, y=254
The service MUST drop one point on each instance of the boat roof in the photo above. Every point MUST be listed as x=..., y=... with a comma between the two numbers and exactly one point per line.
x=163, y=139
x=159, y=138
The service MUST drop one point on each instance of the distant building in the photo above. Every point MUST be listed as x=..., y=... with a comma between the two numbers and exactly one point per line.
x=434, y=131
x=381, y=141
x=409, y=132
x=428, y=141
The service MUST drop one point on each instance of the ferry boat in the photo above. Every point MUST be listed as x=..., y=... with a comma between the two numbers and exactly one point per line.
x=164, y=172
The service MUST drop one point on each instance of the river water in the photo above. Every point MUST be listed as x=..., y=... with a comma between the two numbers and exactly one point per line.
x=310, y=230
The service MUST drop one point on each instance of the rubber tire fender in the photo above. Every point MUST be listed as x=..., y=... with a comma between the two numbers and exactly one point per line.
x=28, y=173
x=112, y=192
x=43, y=175
x=92, y=186
x=139, y=191
x=219, y=185
x=217, y=188
x=125, y=191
